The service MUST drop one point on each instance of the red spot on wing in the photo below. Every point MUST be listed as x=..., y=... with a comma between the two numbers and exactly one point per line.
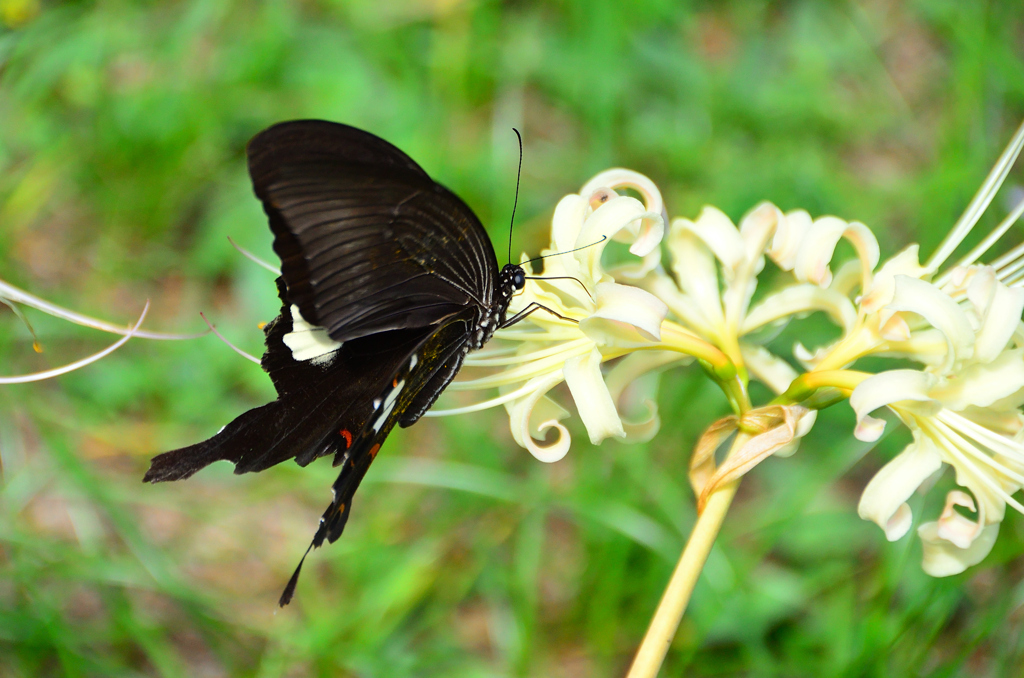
x=347, y=435
x=394, y=384
x=374, y=450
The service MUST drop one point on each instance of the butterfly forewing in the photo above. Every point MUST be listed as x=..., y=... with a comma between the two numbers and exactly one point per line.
x=368, y=242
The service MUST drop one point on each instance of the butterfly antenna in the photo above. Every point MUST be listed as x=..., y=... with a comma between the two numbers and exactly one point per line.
x=563, y=277
x=596, y=242
x=514, y=204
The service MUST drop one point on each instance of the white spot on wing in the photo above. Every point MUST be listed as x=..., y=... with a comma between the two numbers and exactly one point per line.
x=309, y=342
x=389, y=405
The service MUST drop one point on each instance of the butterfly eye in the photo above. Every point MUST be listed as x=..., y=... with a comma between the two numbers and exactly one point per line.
x=519, y=280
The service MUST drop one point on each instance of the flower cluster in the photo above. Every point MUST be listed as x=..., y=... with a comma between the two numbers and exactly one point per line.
x=610, y=328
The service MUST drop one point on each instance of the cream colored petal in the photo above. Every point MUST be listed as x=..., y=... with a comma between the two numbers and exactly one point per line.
x=769, y=369
x=886, y=388
x=941, y=312
x=623, y=178
x=757, y=227
x=817, y=249
x=593, y=400
x=942, y=558
x=622, y=212
x=955, y=528
x=531, y=416
x=803, y=427
x=1000, y=308
x=801, y=300
x=696, y=272
x=682, y=305
x=720, y=236
x=566, y=224
x=789, y=236
x=981, y=385
x=884, y=499
x=623, y=304
x=883, y=283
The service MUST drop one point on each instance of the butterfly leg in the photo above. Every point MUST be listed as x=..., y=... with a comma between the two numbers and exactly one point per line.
x=533, y=307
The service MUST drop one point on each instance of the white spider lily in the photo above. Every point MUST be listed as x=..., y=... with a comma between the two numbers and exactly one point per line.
x=601, y=320
x=963, y=407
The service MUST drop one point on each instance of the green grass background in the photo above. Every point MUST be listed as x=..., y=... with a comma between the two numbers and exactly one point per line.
x=122, y=134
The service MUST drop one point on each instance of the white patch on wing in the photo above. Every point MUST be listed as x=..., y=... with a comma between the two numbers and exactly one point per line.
x=309, y=342
x=389, y=405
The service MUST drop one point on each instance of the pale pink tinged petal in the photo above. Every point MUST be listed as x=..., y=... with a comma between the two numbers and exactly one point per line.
x=623, y=178
x=800, y=300
x=941, y=312
x=883, y=284
x=942, y=558
x=896, y=329
x=71, y=367
x=789, y=235
x=756, y=229
x=883, y=501
x=769, y=369
x=956, y=528
x=817, y=249
x=1000, y=308
x=694, y=267
x=981, y=385
x=719, y=234
x=530, y=417
x=593, y=401
x=886, y=388
x=702, y=460
x=626, y=304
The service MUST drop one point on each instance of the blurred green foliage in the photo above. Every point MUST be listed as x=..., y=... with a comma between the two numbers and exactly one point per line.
x=122, y=134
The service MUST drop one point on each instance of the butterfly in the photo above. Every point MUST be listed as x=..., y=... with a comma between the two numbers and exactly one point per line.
x=387, y=281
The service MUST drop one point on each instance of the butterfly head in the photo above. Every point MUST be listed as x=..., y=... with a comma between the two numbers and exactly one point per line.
x=511, y=280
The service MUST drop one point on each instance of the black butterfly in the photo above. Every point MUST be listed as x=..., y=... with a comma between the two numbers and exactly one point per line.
x=387, y=281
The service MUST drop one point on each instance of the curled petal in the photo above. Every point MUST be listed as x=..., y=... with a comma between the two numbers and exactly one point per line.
x=958, y=529
x=623, y=178
x=789, y=236
x=981, y=385
x=756, y=229
x=883, y=285
x=624, y=314
x=702, y=461
x=719, y=235
x=593, y=400
x=943, y=558
x=817, y=249
x=801, y=299
x=941, y=312
x=633, y=385
x=883, y=389
x=621, y=212
x=884, y=499
x=531, y=416
x=999, y=307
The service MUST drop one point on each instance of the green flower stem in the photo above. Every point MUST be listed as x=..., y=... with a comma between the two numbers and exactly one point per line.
x=665, y=622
